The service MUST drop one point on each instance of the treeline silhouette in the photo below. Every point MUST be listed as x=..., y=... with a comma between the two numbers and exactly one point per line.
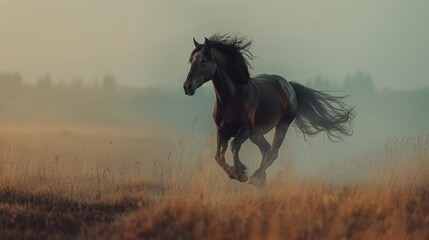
x=106, y=102
x=100, y=102
x=14, y=80
x=360, y=83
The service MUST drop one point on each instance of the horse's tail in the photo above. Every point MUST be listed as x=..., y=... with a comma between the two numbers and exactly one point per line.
x=318, y=111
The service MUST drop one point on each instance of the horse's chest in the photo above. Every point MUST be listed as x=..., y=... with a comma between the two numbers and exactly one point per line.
x=228, y=121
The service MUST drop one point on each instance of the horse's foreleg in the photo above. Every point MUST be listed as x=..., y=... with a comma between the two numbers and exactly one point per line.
x=240, y=138
x=222, y=145
x=258, y=177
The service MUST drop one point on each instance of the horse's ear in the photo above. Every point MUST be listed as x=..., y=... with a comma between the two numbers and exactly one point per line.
x=207, y=42
x=196, y=43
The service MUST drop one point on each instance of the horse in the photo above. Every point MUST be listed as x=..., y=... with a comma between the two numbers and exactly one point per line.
x=249, y=107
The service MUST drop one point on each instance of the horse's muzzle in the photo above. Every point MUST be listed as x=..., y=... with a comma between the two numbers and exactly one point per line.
x=189, y=89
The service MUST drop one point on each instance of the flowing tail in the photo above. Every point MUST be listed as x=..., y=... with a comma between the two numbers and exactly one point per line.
x=318, y=111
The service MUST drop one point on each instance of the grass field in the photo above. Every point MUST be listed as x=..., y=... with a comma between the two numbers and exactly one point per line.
x=67, y=183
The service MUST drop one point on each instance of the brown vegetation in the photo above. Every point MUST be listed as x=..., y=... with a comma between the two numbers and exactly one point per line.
x=83, y=185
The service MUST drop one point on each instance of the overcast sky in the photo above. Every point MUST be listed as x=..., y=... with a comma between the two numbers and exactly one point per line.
x=148, y=42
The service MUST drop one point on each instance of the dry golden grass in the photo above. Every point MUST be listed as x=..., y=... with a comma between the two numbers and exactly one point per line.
x=67, y=184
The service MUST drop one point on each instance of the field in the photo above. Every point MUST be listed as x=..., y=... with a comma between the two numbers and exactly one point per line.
x=60, y=182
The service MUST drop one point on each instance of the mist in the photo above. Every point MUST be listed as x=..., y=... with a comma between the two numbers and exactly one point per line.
x=137, y=40
x=159, y=121
x=109, y=67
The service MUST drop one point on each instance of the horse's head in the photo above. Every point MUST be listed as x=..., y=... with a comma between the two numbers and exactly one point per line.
x=203, y=67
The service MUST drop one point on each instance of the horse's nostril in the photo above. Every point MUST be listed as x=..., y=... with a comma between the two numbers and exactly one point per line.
x=186, y=87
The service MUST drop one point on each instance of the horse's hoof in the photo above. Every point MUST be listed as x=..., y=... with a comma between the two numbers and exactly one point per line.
x=239, y=175
x=256, y=182
x=243, y=178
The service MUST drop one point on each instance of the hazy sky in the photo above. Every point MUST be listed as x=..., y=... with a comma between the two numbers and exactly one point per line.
x=148, y=42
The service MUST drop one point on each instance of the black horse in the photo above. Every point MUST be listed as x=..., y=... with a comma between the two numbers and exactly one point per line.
x=248, y=108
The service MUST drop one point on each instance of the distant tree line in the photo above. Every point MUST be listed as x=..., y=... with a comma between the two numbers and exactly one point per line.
x=104, y=101
x=10, y=79
x=361, y=83
x=14, y=80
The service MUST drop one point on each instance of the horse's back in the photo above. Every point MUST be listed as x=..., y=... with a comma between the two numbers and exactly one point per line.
x=277, y=84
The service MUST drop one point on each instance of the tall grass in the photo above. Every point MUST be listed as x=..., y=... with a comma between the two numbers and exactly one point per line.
x=70, y=185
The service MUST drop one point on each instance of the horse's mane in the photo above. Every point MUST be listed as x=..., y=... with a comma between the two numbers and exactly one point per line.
x=233, y=44
x=236, y=48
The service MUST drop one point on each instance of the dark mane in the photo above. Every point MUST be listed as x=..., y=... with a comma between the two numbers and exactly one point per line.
x=233, y=43
x=236, y=48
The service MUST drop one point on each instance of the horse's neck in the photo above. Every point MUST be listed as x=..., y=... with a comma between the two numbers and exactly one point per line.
x=224, y=87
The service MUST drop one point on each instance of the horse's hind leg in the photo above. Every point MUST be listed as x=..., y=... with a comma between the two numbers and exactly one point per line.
x=263, y=145
x=258, y=177
x=261, y=142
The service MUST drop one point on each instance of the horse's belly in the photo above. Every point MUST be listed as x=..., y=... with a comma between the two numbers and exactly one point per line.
x=265, y=127
x=267, y=118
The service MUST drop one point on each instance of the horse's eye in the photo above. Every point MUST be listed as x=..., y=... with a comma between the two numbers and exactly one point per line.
x=203, y=61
